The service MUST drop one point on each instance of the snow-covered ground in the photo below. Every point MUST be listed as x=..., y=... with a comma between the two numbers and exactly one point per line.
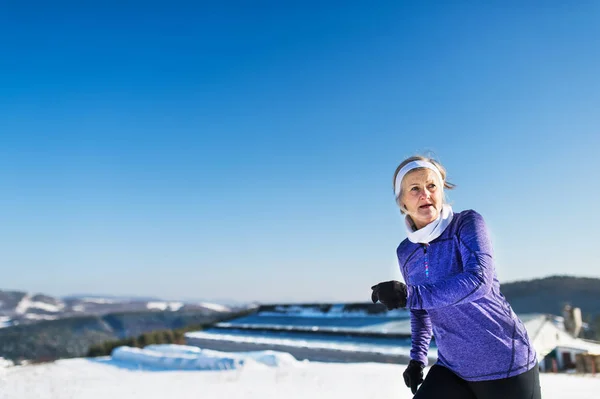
x=215, y=306
x=263, y=377
x=26, y=303
x=173, y=306
x=369, y=346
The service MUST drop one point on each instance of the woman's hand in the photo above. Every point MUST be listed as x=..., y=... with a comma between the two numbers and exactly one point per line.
x=390, y=293
x=413, y=375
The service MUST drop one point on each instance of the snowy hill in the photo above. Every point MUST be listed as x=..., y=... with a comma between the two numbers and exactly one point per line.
x=260, y=375
x=42, y=328
x=17, y=308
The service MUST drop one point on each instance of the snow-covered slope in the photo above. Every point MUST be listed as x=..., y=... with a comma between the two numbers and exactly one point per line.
x=39, y=304
x=181, y=357
x=20, y=307
x=108, y=379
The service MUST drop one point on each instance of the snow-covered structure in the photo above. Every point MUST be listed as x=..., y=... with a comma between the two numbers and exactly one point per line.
x=181, y=357
x=555, y=346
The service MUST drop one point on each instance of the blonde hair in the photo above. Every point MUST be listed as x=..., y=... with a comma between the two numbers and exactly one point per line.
x=447, y=185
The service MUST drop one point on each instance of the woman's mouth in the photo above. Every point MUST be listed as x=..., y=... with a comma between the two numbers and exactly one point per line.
x=425, y=206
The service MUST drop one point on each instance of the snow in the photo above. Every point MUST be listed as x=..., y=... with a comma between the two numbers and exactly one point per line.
x=269, y=358
x=541, y=328
x=304, y=343
x=99, y=300
x=383, y=326
x=215, y=306
x=174, y=348
x=546, y=335
x=5, y=321
x=26, y=303
x=173, y=361
x=173, y=306
x=181, y=357
x=106, y=378
x=34, y=316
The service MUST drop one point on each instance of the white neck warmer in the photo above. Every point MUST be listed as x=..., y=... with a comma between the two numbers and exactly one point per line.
x=433, y=230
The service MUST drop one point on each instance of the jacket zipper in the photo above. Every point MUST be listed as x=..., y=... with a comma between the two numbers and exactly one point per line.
x=426, y=258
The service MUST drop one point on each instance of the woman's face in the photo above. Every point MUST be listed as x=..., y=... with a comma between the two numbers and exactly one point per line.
x=422, y=196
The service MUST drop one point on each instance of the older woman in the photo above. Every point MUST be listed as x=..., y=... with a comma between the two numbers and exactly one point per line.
x=453, y=293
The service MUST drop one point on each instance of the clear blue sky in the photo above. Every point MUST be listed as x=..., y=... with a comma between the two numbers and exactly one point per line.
x=246, y=152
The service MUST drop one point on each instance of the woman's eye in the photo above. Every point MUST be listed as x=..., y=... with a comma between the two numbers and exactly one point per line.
x=432, y=185
x=414, y=189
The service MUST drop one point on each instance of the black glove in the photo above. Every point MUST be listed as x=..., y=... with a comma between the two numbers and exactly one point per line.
x=391, y=293
x=413, y=375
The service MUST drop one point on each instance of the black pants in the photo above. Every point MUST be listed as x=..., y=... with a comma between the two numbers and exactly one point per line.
x=443, y=383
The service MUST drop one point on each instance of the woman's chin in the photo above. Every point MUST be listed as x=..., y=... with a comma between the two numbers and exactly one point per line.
x=424, y=220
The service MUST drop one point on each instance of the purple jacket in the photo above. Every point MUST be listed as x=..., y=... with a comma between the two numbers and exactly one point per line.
x=478, y=335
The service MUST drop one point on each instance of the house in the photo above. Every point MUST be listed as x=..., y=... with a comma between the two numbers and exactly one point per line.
x=556, y=347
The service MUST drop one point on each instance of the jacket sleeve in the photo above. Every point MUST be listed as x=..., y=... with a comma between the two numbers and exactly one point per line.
x=420, y=331
x=473, y=282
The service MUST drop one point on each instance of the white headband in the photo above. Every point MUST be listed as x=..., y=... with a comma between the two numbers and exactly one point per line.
x=410, y=166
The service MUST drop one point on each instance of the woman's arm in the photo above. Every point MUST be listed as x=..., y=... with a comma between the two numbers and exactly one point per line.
x=420, y=330
x=478, y=271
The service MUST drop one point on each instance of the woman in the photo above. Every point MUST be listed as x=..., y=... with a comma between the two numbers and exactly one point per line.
x=453, y=293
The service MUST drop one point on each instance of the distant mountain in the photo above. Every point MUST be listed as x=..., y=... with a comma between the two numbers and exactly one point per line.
x=550, y=294
x=114, y=297
x=22, y=308
x=73, y=336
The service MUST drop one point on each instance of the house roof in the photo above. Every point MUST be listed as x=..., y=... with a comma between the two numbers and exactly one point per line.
x=546, y=335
